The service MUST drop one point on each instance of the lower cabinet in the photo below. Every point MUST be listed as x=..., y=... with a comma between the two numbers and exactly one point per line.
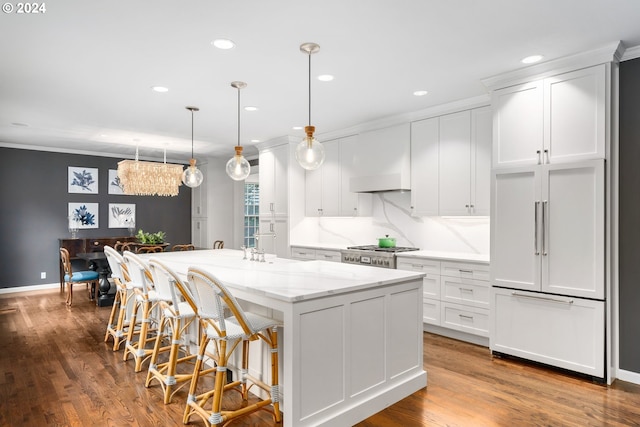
x=566, y=332
x=456, y=295
x=309, y=254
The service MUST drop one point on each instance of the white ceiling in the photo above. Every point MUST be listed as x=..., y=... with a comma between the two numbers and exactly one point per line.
x=79, y=75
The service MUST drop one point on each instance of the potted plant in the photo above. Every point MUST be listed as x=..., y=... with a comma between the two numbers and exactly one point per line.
x=146, y=238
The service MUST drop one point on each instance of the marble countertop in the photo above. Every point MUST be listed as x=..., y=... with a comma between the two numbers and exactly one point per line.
x=448, y=256
x=283, y=279
x=433, y=254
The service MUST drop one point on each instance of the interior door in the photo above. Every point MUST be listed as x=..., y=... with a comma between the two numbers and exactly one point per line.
x=515, y=231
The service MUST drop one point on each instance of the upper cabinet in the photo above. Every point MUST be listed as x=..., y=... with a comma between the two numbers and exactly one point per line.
x=327, y=188
x=274, y=162
x=451, y=164
x=557, y=119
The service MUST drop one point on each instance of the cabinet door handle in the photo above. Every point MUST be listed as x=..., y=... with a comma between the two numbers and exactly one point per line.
x=536, y=204
x=539, y=157
x=546, y=156
x=465, y=289
x=271, y=207
x=465, y=271
x=561, y=301
x=464, y=316
x=545, y=205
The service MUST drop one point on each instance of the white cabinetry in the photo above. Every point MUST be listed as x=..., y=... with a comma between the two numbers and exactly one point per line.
x=274, y=162
x=275, y=239
x=557, y=119
x=327, y=188
x=560, y=331
x=451, y=164
x=199, y=233
x=547, y=229
x=309, y=254
x=456, y=295
x=425, y=145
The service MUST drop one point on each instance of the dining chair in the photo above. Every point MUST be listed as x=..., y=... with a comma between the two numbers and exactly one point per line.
x=144, y=307
x=214, y=301
x=120, y=316
x=186, y=247
x=177, y=314
x=149, y=249
x=89, y=277
x=218, y=244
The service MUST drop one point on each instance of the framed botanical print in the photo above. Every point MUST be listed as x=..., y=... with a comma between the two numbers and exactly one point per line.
x=83, y=215
x=115, y=187
x=122, y=215
x=83, y=180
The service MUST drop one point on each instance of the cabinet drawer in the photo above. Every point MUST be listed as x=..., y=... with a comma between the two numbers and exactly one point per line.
x=465, y=270
x=566, y=332
x=431, y=311
x=326, y=255
x=431, y=286
x=418, y=264
x=303, y=253
x=465, y=291
x=463, y=318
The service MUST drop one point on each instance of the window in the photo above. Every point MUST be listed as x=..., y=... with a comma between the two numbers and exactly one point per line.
x=251, y=213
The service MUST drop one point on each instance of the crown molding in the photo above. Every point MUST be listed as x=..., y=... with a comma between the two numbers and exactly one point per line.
x=631, y=53
x=612, y=52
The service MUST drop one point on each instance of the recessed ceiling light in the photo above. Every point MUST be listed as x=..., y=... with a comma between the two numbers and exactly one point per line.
x=325, y=77
x=159, y=89
x=20, y=124
x=255, y=140
x=297, y=128
x=223, y=44
x=420, y=93
x=531, y=59
x=250, y=108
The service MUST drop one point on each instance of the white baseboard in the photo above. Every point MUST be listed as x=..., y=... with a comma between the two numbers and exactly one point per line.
x=29, y=288
x=628, y=376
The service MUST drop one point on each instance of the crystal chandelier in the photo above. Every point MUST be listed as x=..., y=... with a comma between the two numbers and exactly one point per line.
x=141, y=178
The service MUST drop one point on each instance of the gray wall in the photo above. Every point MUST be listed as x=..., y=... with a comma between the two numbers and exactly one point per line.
x=630, y=215
x=33, y=212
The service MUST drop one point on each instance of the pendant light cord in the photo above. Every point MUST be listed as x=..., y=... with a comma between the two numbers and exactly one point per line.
x=192, y=134
x=238, y=116
x=309, y=88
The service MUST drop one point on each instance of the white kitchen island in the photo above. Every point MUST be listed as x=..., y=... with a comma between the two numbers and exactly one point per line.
x=352, y=335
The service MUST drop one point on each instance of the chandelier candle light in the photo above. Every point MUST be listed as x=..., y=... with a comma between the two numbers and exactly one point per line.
x=310, y=152
x=192, y=177
x=238, y=167
x=141, y=178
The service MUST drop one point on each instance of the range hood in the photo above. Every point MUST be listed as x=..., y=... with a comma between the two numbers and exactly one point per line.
x=382, y=161
x=380, y=182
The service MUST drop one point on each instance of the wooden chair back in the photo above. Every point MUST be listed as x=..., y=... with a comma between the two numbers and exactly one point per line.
x=186, y=247
x=218, y=244
x=66, y=261
x=149, y=249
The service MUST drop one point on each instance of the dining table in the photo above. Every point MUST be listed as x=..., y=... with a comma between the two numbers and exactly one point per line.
x=98, y=262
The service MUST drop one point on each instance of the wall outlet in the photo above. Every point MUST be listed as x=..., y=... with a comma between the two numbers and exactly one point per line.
x=43, y=275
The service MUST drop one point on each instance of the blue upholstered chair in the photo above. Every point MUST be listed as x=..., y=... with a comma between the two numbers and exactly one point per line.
x=88, y=277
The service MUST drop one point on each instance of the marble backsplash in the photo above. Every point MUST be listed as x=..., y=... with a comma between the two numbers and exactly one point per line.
x=392, y=216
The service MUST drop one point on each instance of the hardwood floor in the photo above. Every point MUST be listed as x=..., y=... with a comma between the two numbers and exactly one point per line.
x=55, y=370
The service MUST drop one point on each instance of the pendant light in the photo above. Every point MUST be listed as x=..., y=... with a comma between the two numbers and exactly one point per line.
x=192, y=177
x=238, y=167
x=310, y=152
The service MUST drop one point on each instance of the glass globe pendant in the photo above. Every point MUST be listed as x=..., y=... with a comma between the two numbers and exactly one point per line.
x=192, y=176
x=238, y=167
x=310, y=152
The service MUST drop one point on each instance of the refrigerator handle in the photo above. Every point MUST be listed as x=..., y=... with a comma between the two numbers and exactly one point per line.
x=536, y=204
x=544, y=227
